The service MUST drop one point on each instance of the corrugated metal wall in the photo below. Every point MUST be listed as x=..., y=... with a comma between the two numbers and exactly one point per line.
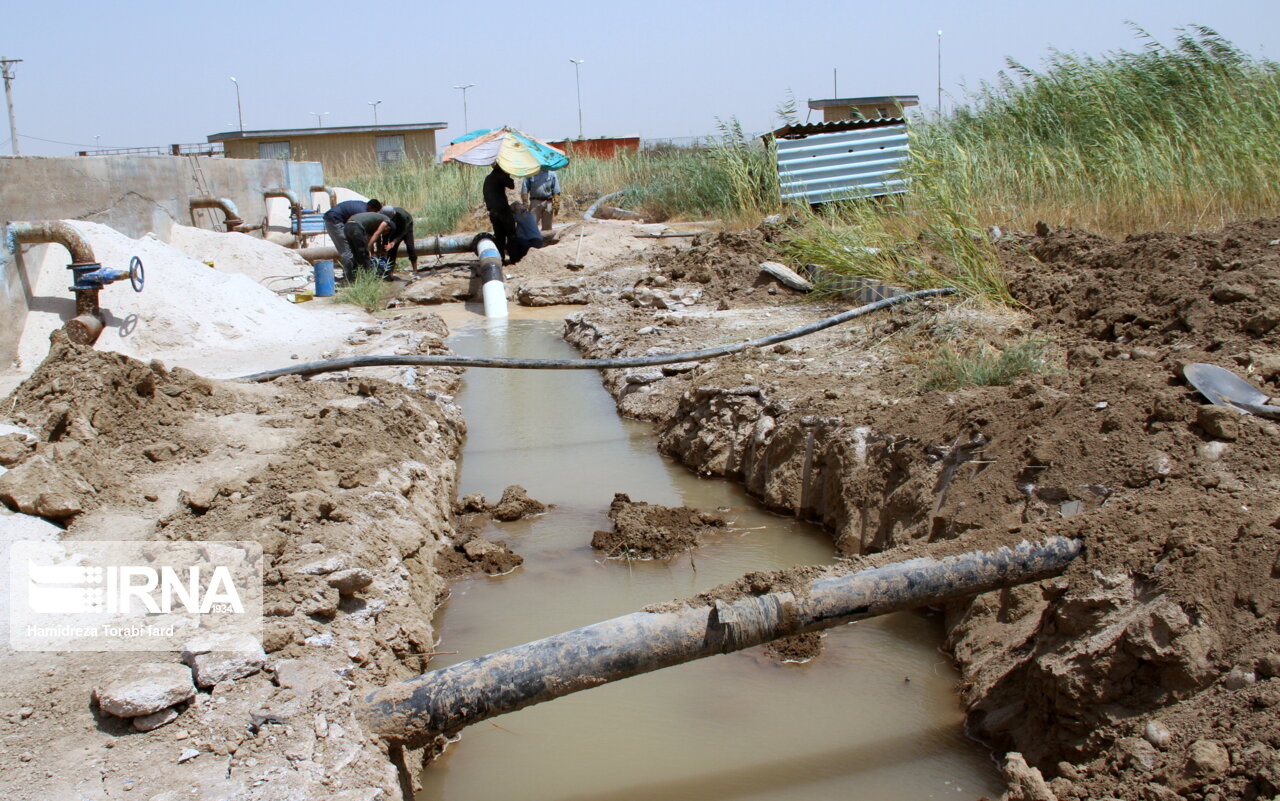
x=822, y=167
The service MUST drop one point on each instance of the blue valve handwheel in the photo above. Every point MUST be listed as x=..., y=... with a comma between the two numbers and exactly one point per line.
x=136, y=274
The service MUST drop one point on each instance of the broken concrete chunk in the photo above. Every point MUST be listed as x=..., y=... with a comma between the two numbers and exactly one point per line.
x=199, y=499
x=789, y=277
x=145, y=689
x=155, y=720
x=350, y=581
x=223, y=657
x=322, y=567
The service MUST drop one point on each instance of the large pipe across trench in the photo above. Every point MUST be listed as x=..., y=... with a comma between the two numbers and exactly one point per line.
x=444, y=701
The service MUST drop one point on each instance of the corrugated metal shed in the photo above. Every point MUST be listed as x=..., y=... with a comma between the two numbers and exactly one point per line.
x=836, y=160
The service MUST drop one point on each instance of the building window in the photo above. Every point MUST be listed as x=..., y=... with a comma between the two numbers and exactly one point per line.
x=273, y=150
x=390, y=149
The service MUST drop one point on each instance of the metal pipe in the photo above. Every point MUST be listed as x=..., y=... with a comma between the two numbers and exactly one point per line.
x=89, y=276
x=58, y=232
x=328, y=190
x=233, y=220
x=288, y=194
x=428, y=246
x=447, y=700
x=348, y=362
x=493, y=291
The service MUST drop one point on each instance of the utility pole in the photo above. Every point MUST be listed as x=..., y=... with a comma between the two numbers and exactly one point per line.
x=375, y=103
x=6, y=65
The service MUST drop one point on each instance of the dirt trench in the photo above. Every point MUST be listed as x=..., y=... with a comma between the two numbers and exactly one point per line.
x=1151, y=669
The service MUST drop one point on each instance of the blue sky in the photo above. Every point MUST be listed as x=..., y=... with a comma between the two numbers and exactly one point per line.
x=152, y=73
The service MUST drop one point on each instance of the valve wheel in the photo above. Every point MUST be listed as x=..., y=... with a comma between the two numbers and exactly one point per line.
x=137, y=276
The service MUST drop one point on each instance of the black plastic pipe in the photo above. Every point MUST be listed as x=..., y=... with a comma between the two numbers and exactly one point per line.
x=348, y=362
x=447, y=700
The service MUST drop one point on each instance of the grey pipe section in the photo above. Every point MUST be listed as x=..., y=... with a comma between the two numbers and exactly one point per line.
x=233, y=220
x=447, y=700
x=428, y=246
x=57, y=232
x=328, y=190
x=348, y=362
x=288, y=194
x=595, y=207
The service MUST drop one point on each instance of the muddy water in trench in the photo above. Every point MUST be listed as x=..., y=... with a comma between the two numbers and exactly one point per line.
x=875, y=717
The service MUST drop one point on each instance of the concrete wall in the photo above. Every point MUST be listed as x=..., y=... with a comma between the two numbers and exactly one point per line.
x=135, y=195
x=339, y=151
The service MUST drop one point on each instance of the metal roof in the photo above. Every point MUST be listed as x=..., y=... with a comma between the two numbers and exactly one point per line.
x=835, y=126
x=349, y=129
x=892, y=100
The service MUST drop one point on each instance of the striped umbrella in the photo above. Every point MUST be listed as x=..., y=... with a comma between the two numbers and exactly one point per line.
x=519, y=154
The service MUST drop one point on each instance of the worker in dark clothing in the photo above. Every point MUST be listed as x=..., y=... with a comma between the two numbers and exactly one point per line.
x=401, y=231
x=337, y=217
x=363, y=231
x=528, y=235
x=496, y=184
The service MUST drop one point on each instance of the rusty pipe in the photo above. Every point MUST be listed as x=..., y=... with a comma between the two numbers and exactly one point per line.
x=287, y=194
x=328, y=190
x=56, y=232
x=233, y=219
x=87, y=325
x=447, y=700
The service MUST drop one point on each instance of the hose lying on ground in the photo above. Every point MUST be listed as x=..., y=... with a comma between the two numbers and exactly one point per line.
x=348, y=362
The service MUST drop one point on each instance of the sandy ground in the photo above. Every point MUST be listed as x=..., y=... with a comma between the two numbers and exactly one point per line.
x=1148, y=670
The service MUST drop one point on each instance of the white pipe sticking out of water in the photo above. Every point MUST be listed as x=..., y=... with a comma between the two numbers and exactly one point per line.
x=493, y=291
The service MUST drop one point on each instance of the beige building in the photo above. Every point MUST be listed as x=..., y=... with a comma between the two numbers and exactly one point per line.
x=336, y=148
x=864, y=108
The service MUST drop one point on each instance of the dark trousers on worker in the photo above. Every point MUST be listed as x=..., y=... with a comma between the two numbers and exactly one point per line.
x=504, y=235
x=358, y=238
x=339, y=238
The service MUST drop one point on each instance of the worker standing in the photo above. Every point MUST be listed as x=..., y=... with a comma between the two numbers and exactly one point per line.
x=363, y=231
x=401, y=231
x=496, y=184
x=335, y=220
x=541, y=193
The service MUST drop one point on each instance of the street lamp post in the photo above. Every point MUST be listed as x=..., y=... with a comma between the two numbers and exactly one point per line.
x=318, y=115
x=375, y=104
x=577, y=78
x=939, y=73
x=466, y=126
x=239, y=113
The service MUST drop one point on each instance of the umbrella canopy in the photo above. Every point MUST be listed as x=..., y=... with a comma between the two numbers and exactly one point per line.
x=518, y=153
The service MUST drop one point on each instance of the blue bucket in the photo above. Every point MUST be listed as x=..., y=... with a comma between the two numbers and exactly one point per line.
x=324, y=279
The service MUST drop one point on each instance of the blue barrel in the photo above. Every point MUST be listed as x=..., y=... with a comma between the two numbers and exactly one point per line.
x=324, y=279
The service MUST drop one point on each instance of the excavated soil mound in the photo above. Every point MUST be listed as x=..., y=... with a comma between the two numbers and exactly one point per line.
x=649, y=531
